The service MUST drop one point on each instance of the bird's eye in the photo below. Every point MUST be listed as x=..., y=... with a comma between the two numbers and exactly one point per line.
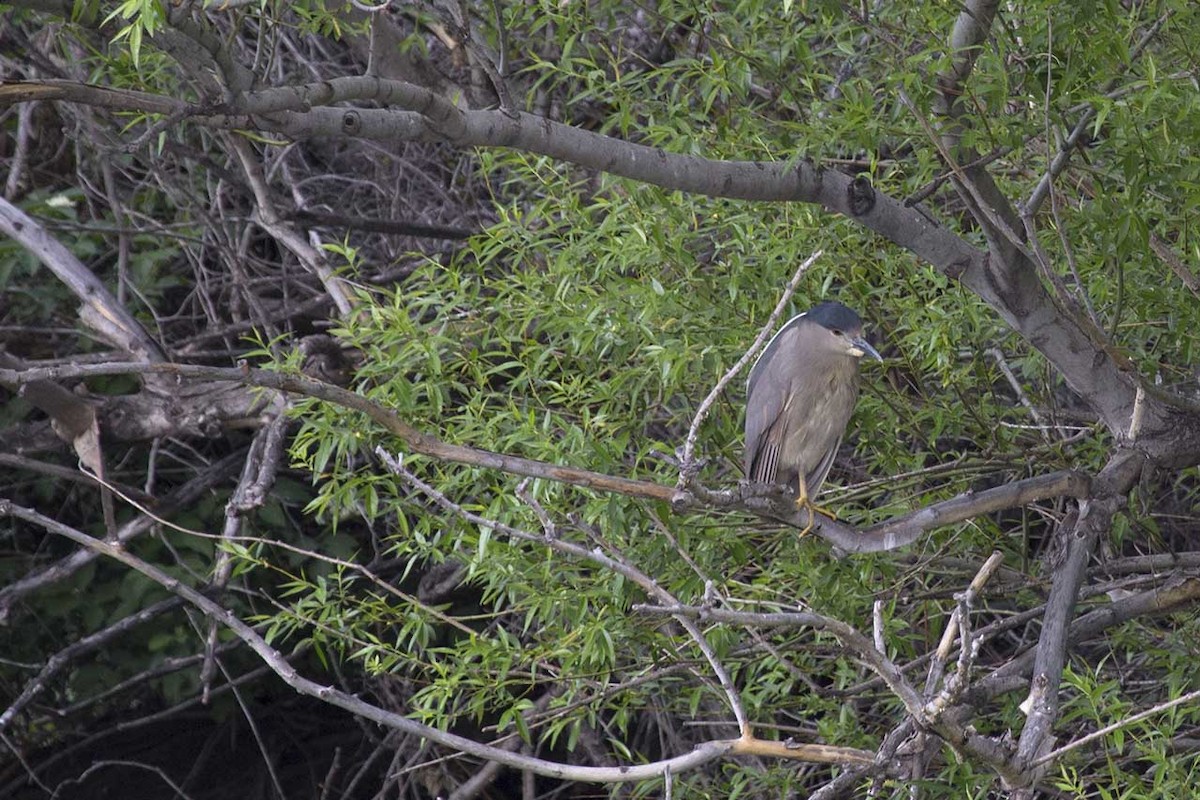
x=836, y=332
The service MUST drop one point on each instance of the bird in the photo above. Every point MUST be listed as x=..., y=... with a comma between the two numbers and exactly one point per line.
x=799, y=397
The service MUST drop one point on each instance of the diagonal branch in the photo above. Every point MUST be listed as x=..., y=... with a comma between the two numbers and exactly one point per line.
x=885, y=536
x=1010, y=284
x=1094, y=518
x=702, y=754
x=100, y=309
x=907, y=529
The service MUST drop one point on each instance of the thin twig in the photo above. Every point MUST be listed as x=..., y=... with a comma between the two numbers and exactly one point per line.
x=69, y=565
x=1054, y=755
x=998, y=356
x=615, y=563
x=110, y=762
x=687, y=466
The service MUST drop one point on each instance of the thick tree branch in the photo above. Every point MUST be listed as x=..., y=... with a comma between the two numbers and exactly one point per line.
x=1047, y=320
x=1091, y=365
x=1094, y=518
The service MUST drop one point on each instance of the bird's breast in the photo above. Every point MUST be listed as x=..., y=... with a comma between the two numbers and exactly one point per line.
x=815, y=422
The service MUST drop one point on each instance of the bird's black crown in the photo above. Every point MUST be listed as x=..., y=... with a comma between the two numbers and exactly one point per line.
x=835, y=317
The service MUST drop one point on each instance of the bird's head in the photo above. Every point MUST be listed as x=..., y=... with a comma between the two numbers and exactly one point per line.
x=844, y=328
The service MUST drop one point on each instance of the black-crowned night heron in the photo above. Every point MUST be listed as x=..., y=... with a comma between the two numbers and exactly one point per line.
x=799, y=398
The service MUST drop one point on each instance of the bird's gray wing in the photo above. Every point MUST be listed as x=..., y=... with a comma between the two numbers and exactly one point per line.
x=770, y=352
x=764, y=431
x=767, y=394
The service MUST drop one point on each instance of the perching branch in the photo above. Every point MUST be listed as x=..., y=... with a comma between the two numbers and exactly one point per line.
x=885, y=536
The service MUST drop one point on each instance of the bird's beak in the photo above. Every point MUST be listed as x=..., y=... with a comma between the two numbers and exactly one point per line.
x=860, y=348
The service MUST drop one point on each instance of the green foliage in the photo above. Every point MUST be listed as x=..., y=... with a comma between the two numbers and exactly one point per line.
x=1140, y=759
x=585, y=325
x=145, y=18
x=585, y=332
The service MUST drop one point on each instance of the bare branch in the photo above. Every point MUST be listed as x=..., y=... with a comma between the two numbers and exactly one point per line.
x=313, y=259
x=1094, y=517
x=986, y=750
x=100, y=308
x=905, y=530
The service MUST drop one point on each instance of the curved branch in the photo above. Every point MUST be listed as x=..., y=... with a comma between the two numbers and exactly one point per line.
x=905, y=530
x=702, y=754
x=1091, y=365
x=885, y=536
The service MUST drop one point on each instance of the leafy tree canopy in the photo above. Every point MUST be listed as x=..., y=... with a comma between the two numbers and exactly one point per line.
x=387, y=353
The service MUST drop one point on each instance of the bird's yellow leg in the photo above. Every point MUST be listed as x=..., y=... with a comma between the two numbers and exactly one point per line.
x=803, y=501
